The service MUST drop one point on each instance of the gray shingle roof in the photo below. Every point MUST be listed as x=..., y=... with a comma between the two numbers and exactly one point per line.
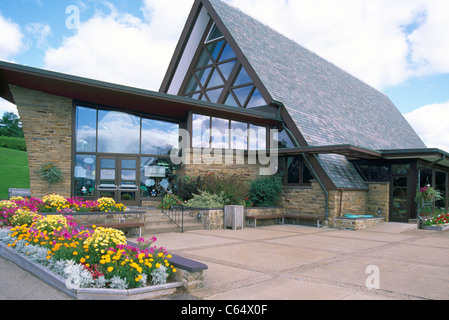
x=328, y=105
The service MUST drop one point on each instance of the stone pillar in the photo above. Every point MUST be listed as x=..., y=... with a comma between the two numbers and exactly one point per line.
x=47, y=125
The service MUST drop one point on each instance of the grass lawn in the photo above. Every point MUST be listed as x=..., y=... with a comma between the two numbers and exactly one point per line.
x=14, y=172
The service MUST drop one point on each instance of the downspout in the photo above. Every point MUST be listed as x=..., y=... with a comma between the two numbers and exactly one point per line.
x=326, y=193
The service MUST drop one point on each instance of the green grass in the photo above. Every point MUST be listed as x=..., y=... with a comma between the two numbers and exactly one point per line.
x=14, y=171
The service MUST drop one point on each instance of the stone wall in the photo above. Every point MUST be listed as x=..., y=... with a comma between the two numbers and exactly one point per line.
x=303, y=200
x=238, y=167
x=47, y=125
x=310, y=201
x=378, y=198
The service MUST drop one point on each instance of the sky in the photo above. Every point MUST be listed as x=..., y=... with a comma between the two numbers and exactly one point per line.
x=399, y=47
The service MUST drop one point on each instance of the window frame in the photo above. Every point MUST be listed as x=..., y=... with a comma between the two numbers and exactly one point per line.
x=302, y=165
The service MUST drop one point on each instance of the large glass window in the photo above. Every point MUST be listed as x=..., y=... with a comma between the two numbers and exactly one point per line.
x=211, y=132
x=257, y=137
x=84, y=176
x=159, y=137
x=114, y=127
x=155, y=175
x=294, y=171
x=218, y=76
x=220, y=133
x=108, y=144
x=440, y=185
x=284, y=140
x=239, y=135
x=200, y=131
x=86, y=129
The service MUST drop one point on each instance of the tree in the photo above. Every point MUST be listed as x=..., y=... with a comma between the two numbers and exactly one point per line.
x=11, y=126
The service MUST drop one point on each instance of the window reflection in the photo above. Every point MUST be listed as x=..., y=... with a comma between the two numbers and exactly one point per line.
x=117, y=126
x=159, y=137
x=84, y=176
x=86, y=129
x=239, y=135
x=220, y=133
x=200, y=131
x=155, y=175
x=257, y=137
x=284, y=140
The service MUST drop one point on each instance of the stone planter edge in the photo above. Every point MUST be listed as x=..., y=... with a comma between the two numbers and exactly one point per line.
x=86, y=293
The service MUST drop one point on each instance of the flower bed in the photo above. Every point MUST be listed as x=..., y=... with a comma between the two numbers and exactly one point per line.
x=438, y=222
x=99, y=258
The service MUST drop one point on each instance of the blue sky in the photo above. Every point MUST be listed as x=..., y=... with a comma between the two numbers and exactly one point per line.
x=399, y=47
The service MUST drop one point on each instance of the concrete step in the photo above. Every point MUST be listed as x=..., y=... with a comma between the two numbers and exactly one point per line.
x=157, y=222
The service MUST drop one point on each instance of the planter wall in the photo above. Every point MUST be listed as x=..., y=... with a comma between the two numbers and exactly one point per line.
x=87, y=294
x=213, y=219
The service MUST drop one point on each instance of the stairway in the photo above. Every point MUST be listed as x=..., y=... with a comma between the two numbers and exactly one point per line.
x=156, y=223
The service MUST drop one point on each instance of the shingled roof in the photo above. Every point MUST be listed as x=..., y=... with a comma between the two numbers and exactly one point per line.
x=328, y=105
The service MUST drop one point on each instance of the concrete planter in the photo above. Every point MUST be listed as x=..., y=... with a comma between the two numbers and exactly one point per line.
x=87, y=294
x=436, y=228
x=345, y=223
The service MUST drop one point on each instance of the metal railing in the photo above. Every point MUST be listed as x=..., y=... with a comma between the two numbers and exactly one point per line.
x=175, y=213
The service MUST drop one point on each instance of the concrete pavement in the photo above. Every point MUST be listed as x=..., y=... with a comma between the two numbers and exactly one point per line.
x=287, y=262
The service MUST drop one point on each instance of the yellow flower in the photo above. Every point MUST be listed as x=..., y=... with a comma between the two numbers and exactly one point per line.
x=110, y=269
x=75, y=253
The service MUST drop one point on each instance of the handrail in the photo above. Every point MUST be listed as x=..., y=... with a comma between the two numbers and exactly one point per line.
x=173, y=214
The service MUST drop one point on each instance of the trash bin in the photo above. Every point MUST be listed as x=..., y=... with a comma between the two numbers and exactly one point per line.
x=233, y=217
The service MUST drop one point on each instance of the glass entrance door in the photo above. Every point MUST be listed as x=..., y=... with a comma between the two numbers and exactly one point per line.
x=400, y=193
x=118, y=178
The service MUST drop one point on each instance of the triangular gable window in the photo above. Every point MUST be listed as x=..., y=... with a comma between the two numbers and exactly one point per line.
x=217, y=76
x=214, y=33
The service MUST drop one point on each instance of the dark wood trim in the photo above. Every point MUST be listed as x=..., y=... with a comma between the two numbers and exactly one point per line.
x=240, y=56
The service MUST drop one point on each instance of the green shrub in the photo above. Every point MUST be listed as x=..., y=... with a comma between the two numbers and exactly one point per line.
x=51, y=173
x=265, y=191
x=233, y=191
x=186, y=187
x=13, y=143
x=207, y=200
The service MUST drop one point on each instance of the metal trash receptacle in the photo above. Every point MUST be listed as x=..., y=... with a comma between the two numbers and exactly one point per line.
x=233, y=217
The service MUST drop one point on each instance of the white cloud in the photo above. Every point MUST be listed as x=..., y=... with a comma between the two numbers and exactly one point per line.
x=122, y=48
x=40, y=32
x=430, y=43
x=369, y=39
x=11, y=39
x=382, y=42
x=432, y=125
x=6, y=106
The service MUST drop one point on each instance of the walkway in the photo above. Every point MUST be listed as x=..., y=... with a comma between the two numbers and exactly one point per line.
x=286, y=262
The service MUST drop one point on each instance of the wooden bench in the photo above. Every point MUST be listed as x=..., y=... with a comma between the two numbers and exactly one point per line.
x=18, y=192
x=263, y=217
x=119, y=226
x=303, y=217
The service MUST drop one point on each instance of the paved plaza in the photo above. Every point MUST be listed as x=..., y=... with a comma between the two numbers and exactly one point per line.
x=288, y=262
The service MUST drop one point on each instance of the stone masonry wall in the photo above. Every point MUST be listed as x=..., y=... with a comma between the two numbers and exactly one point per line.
x=47, y=125
x=311, y=201
x=242, y=171
x=378, y=198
